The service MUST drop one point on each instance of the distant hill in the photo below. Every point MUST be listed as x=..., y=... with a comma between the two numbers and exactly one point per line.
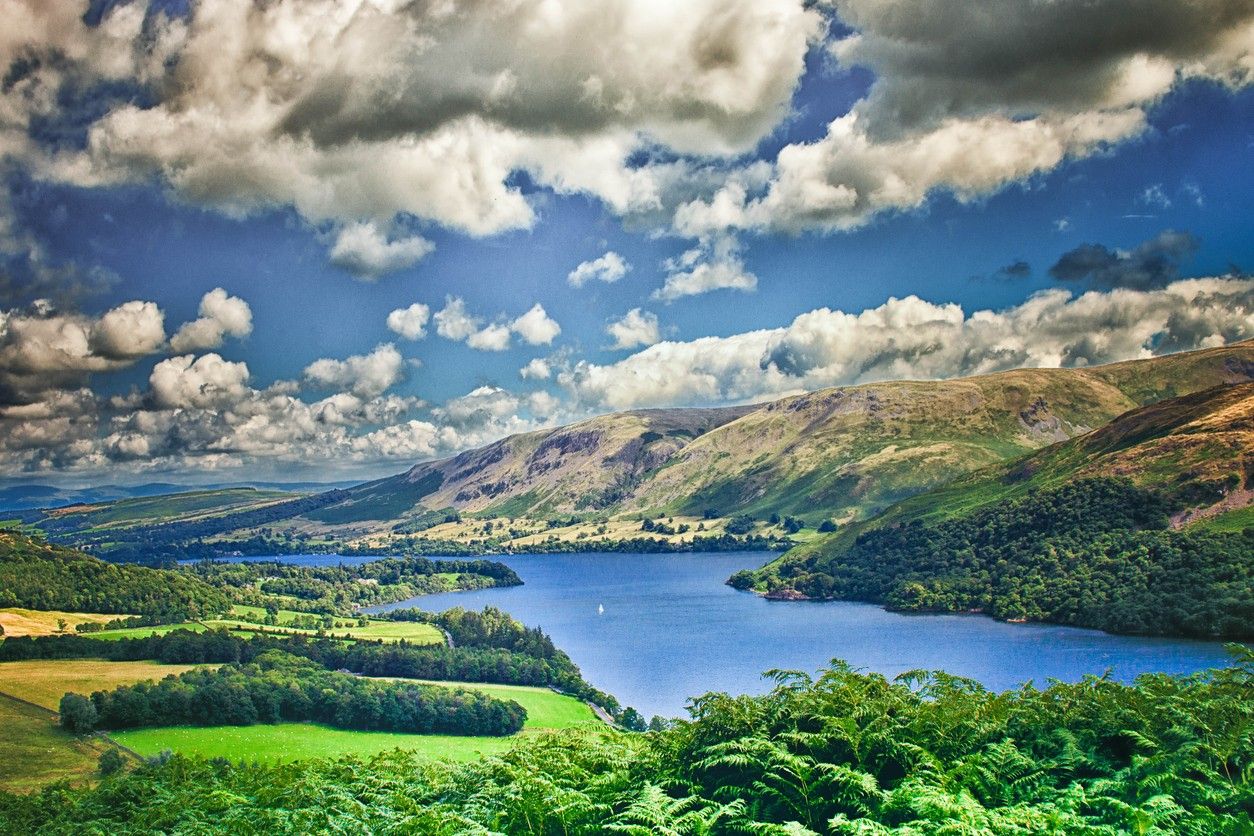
x=1128, y=528
x=28, y=497
x=43, y=576
x=844, y=452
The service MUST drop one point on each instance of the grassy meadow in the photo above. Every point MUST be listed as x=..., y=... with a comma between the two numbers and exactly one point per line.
x=37, y=751
x=17, y=621
x=546, y=710
x=45, y=681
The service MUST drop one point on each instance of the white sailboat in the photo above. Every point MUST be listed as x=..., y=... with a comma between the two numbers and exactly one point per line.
x=600, y=609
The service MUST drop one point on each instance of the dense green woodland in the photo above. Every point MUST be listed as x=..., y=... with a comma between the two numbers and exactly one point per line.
x=1094, y=553
x=277, y=686
x=337, y=589
x=40, y=576
x=844, y=753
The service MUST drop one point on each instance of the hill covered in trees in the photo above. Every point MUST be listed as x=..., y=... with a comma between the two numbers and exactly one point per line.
x=1101, y=531
x=43, y=576
x=846, y=753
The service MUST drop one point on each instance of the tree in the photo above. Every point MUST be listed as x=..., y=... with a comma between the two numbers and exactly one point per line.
x=111, y=761
x=631, y=720
x=827, y=527
x=78, y=714
x=62, y=625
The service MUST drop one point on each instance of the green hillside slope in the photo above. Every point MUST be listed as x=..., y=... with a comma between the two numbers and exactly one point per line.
x=1122, y=528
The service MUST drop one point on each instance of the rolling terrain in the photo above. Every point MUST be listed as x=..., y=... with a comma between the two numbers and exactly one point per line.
x=1139, y=526
x=844, y=453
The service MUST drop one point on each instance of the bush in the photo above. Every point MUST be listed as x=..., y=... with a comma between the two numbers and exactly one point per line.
x=111, y=762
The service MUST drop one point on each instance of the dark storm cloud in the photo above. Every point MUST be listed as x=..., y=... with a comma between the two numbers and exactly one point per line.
x=1154, y=263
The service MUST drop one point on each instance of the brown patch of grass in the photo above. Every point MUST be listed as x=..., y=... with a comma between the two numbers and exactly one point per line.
x=22, y=622
x=43, y=681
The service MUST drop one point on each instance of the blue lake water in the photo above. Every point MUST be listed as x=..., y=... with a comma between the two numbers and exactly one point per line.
x=671, y=629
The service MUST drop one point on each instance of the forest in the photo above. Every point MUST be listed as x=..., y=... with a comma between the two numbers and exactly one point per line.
x=338, y=589
x=1093, y=553
x=42, y=576
x=277, y=686
x=843, y=753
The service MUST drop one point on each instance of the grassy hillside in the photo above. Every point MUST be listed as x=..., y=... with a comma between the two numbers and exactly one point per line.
x=845, y=453
x=39, y=575
x=1053, y=535
x=1197, y=450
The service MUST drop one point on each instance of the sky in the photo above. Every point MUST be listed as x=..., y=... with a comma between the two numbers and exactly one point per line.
x=327, y=239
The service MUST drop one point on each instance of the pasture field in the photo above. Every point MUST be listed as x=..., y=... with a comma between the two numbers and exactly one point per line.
x=144, y=632
x=37, y=751
x=17, y=621
x=250, y=619
x=293, y=741
x=45, y=681
x=297, y=741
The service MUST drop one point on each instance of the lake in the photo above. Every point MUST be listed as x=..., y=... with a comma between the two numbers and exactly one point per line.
x=671, y=629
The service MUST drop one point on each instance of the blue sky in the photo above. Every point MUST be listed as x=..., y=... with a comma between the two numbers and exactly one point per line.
x=122, y=191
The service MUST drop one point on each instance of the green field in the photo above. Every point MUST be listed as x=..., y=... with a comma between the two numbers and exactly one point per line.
x=143, y=632
x=37, y=751
x=297, y=741
x=293, y=741
x=250, y=619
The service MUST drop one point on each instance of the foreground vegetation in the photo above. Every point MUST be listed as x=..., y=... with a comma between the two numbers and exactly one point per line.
x=843, y=753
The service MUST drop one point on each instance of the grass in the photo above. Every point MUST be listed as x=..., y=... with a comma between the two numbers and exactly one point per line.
x=1232, y=521
x=44, y=681
x=37, y=751
x=144, y=632
x=546, y=709
x=21, y=622
x=293, y=741
x=156, y=509
x=249, y=620
x=297, y=741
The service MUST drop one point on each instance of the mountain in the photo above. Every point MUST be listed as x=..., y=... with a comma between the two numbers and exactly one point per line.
x=591, y=465
x=1142, y=525
x=844, y=452
x=26, y=497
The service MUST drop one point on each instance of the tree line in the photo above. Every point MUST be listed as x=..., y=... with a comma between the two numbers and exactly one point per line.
x=277, y=687
x=840, y=753
x=1093, y=553
x=41, y=576
x=339, y=589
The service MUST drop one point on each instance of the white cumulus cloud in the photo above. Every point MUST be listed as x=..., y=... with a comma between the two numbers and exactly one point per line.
x=410, y=322
x=221, y=315
x=636, y=328
x=366, y=375
x=608, y=268
x=364, y=251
